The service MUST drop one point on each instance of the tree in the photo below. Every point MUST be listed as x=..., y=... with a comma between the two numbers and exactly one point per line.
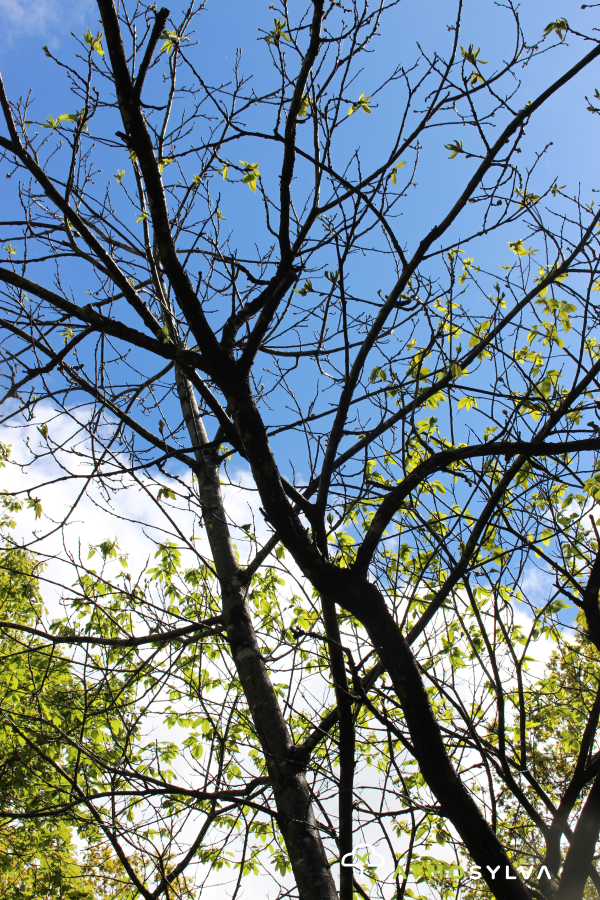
x=558, y=708
x=36, y=855
x=38, y=858
x=413, y=422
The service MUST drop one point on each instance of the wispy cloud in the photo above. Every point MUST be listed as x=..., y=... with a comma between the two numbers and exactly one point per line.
x=132, y=516
x=47, y=19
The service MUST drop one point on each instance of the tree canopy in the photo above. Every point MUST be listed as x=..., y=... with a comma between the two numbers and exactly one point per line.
x=378, y=332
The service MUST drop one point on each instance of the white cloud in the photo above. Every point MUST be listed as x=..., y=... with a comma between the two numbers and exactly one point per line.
x=131, y=515
x=42, y=17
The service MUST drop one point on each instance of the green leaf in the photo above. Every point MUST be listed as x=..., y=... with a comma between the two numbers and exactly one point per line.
x=143, y=216
x=304, y=107
x=65, y=117
x=520, y=249
x=471, y=56
x=591, y=108
x=394, y=172
x=558, y=26
x=171, y=41
x=35, y=504
x=467, y=403
x=165, y=492
x=306, y=288
x=94, y=42
x=378, y=373
x=277, y=34
x=252, y=174
x=456, y=147
x=43, y=430
x=528, y=199
x=361, y=103
x=434, y=400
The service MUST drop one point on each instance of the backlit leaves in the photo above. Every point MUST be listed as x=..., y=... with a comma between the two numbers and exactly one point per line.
x=378, y=374
x=558, y=27
x=65, y=117
x=306, y=288
x=394, y=172
x=471, y=55
x=35, y=504
x=520, y=249
x=304, y=107
x=171, y=40
x=251, y=174
x=527, y=198
x=456, y=147
x=361, y=103
x=93, y=42
x=165, y=161
x=277, y=34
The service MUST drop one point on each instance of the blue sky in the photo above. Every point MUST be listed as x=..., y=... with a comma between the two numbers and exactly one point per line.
x=226, y=25
x=229, y=24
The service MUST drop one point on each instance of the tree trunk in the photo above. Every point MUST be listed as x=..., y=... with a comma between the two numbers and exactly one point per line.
x=296, y=819
x=346, y=744
x=366, y=603
x=581, y=852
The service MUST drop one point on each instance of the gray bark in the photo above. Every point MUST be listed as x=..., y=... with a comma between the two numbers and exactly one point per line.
x=296, y=818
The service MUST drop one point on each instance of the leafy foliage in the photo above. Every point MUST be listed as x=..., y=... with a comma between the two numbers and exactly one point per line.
x=410, y=419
